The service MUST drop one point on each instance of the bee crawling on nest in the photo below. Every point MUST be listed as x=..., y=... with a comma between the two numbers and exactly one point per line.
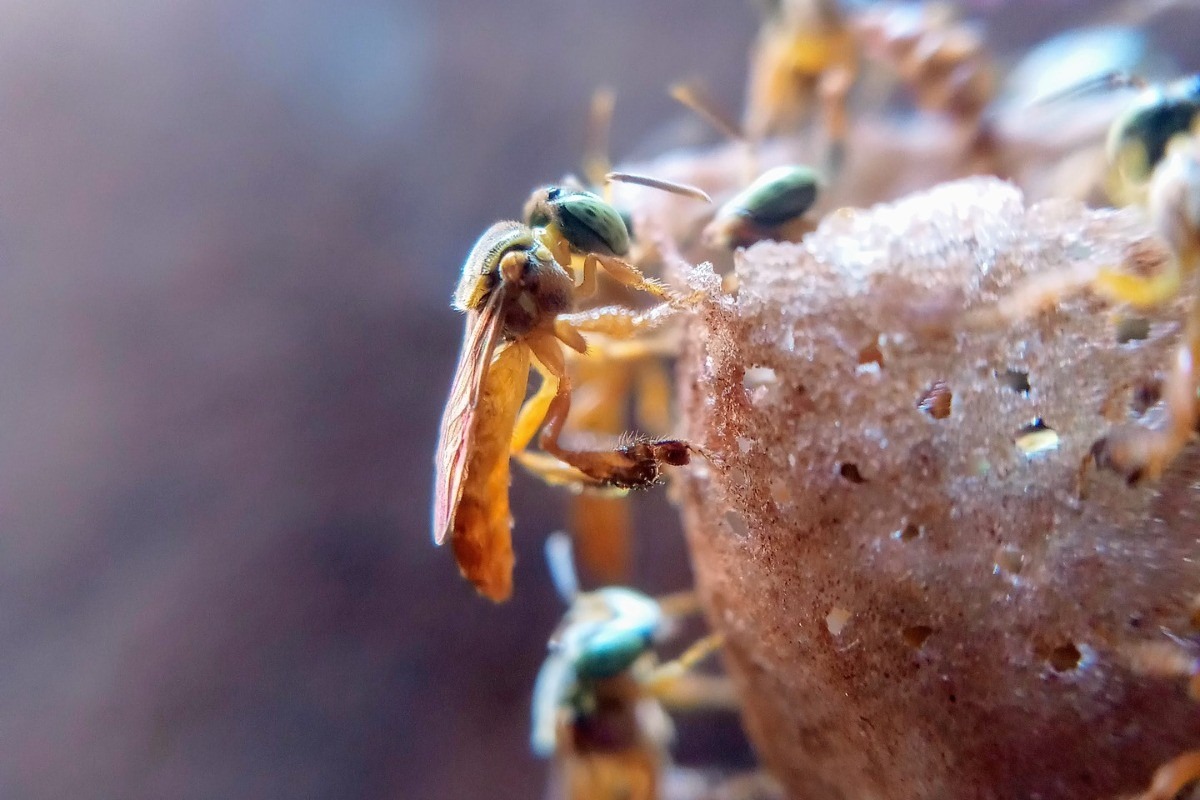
x=1169, y=659
x=598, y=701
x=1154, y=157
x=809, y=53
x=519, y=291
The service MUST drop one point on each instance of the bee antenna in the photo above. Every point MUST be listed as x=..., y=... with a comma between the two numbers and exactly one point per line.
x=561, y=561
x=1100, y=83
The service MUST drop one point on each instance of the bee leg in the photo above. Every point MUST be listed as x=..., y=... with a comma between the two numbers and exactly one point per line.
x=658, y=682
x=1140, y=453
x=625, y=467
x=697, y=692
x=629, y=275
x=679, y=604
x=533, y=413
x=1171, y=778
x=618, y=322
x=834, y=89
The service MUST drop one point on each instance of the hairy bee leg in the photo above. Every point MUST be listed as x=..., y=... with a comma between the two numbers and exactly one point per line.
x=671, y=671
x=629, y=275
x=1171, y=778
x=1140, y=453
x=619, y=322
x=629, y=466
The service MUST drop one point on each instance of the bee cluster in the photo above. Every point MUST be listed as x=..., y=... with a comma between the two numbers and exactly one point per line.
x=578, y=292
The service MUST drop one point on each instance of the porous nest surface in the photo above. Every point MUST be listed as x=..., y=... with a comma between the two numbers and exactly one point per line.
x=919, y=603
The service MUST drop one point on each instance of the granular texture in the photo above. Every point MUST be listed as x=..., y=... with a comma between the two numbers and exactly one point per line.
x=927, y=592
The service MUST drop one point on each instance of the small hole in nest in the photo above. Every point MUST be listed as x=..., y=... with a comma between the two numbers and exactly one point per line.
x=849, y=471
x=1065, y=658
x=759, y=377
x=1132, y=329
x=736, y=523
x=1145, y=396
x=937, y=400
x=908, y=533
x=915, y=635
x=1016, y=380
x=870, y=358
x=1036, y=437
x=1009, y=559
x=836, y=620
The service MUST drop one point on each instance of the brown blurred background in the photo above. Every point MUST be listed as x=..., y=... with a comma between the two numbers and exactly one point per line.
x=228, y=236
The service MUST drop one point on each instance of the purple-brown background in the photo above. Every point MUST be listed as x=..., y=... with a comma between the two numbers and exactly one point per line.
x=228, y=235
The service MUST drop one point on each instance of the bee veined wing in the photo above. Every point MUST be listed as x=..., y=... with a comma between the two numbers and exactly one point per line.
x=483, y=330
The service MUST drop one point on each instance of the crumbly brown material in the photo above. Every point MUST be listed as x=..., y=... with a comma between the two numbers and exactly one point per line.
x=925, y=591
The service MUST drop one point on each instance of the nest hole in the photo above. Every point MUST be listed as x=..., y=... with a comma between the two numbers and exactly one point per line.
x=908, y=533
x=1036, y=437
x=870, y=358
x=1145, y=396
x=836, y=620
x=915, y=635
x=937, y=400
x=1132, y=329
x=849, y=471
x=1065, y=658
x=1009, y=559
x=736, y=523
x=1016, y=380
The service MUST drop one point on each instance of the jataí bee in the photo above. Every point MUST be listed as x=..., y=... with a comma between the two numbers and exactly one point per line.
x=518, y=290
x=1154, y=155
x=597, y=703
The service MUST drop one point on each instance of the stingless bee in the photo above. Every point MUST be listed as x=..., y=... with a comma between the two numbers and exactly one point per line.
x=517, y=289
x=765, y=209
x=1154, y=154
x=597, y=703
x=1169, y=659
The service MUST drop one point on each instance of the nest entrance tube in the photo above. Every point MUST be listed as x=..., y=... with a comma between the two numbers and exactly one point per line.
x=979, y=655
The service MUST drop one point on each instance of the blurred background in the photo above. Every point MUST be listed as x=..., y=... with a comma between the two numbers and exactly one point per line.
x=228, y=236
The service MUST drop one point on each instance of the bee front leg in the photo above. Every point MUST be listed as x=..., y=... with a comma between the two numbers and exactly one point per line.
x=629, y=275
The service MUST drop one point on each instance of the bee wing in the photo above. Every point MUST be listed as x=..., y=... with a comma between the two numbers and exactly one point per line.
x=483, y=330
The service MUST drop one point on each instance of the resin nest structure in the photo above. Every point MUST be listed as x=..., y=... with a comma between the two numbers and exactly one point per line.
x=926, y=591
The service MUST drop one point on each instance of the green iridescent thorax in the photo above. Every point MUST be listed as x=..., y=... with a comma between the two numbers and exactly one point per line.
x=589, y=224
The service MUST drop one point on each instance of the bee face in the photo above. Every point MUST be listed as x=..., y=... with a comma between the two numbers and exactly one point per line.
x=1139, y=138
x=588, y=223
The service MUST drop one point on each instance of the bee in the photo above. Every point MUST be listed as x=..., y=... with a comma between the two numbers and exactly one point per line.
x=1154, y=152
x=596, y=703
x=612, y=372
x=1169, y=660
x=765, y=208
x=942, y=60
x=770, y=204
x=810, y=53
x=805, y=56
x=518, y=296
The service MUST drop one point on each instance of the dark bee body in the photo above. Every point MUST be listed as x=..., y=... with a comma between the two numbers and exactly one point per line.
x=1138, y=140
